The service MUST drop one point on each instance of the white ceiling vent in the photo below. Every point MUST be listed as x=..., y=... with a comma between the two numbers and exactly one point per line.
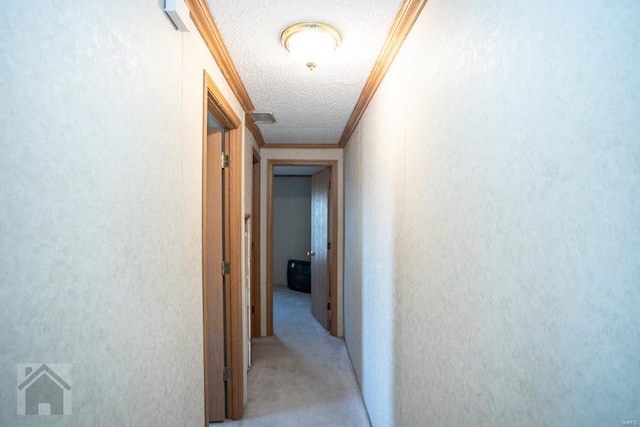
x=263, y=118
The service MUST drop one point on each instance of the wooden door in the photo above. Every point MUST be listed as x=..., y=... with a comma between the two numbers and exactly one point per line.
x=320, y=275
x=247, y=286
x=255, y=248
x=213, y=280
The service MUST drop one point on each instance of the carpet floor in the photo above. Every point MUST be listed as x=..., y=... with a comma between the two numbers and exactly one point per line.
x=301, y=376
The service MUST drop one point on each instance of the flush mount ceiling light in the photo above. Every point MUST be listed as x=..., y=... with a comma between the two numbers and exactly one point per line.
x=310, y=42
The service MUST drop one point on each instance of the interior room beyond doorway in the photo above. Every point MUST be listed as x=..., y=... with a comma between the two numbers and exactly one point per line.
x=289, y=221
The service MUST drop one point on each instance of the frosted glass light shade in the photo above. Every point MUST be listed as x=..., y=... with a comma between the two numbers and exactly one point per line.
x=310, y=42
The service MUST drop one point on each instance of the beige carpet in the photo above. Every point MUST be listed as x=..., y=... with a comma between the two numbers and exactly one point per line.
x=301, y=376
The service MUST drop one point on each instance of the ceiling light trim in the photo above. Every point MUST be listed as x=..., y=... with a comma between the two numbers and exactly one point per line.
x=309, y=53
x=402, y=24
x=309, y=26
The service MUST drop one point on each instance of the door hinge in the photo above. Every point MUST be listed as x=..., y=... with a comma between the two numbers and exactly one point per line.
x=224, y=160
x=253, y=309
x=328, y=246
x=226, y=268
x=226, y=374
x=329, y=305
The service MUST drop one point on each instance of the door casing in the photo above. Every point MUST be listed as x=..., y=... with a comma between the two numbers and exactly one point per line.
x=336, y=305
x=215, y=103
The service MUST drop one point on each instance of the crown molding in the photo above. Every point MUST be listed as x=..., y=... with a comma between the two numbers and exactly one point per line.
x=254, y=129
x=402, y=24
x=203, y=20
x=290, y=146
x=201, y=16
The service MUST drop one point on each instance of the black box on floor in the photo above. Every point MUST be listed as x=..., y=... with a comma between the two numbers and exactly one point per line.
x=299, y=275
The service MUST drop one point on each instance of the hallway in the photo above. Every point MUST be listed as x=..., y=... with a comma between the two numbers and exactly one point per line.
x=485, y=224
x=301, y=376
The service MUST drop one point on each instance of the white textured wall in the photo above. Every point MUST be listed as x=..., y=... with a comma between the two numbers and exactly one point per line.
x=374, y=209
x=291, y=223
x=513, y=219
x=300, y=154
x=101, y=207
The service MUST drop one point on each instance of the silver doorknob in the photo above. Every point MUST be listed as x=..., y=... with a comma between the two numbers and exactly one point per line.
x=310, y=253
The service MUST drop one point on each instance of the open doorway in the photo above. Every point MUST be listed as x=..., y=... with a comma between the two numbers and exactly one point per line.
x=323, y=300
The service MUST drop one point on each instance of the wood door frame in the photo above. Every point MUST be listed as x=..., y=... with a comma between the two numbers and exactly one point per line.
x=333, y=165
x=256, y=300
x=215, y=102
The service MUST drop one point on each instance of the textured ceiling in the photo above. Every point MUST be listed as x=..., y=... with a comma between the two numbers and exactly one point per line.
x=312, y=107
